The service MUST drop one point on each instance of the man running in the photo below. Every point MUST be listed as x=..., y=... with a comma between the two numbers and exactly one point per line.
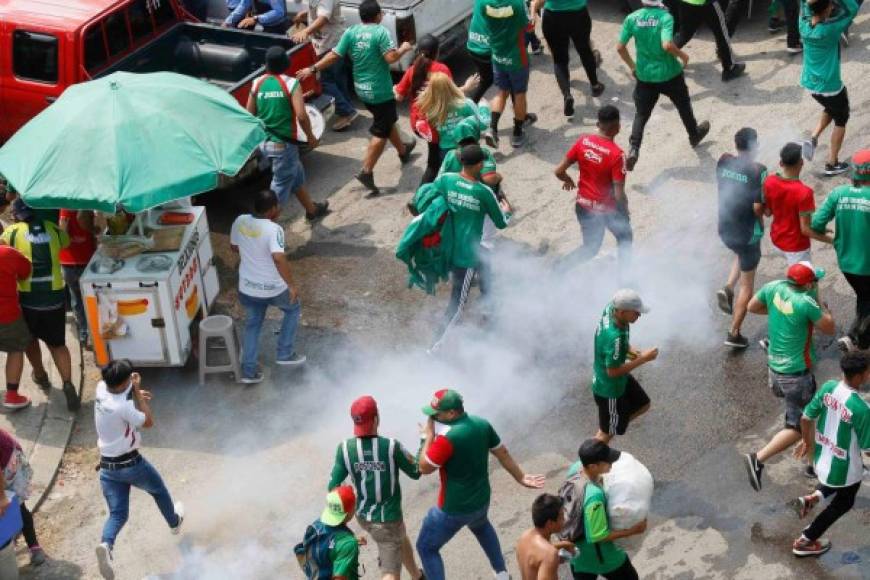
x=373, y=464
x=836, y=427
x=601, y=200
x=849, y=205
x=537, y=556
x=371, y=52
x=793, y=309
x=791, y=204
x=618, y=395
x=658, y=72
x=709, y=12
x=822, y=23
x=460, y=452
x=741, y=225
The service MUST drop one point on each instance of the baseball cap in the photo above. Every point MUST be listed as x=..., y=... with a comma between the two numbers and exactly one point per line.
x=595, y=451
x=861, y=165
x=339, y=503
x=652, y=2
x=628, y=299
x=804, y=273
x=471, y=155
x=443, y=400
x=363, y=411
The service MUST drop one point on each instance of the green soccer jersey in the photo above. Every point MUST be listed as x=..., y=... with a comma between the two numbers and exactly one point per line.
x=821, y=64
x=373, y=464
x=344, y=555
x=366, y=44
x=274, y=106
x=842, y=432
x=451, y=163
x=650, y=27
x=468, y=201
x=849, y=206
x=564, y=5
x=595, y=556
x=611, y=350
x=461, y=452
x=478, y=31
x=447, y=130
x=507, y=21
x=790, y=318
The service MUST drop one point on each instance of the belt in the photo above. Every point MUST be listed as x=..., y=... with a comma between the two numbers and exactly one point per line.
x=120, y=462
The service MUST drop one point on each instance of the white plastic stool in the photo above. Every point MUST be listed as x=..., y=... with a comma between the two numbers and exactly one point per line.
x=218, y=326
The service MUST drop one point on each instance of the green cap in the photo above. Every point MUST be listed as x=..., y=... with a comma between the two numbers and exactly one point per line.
x=443, y=400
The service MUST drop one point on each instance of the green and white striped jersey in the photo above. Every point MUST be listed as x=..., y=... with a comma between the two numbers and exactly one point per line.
x=373, y=464
x=842, y=432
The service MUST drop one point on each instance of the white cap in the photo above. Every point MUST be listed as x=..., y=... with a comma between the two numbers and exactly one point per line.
x=653, y=3
x=628, y=299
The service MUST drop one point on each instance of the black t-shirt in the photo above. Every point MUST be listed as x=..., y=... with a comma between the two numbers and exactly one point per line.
x=739, y=182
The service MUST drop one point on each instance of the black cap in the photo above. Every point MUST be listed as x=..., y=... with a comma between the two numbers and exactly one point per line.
x=277, y=60
x=594, y=451
x=471, y=155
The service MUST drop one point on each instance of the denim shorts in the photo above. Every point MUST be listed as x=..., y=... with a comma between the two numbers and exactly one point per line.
x=515, y=81
x=797, y=389
x=288, y=174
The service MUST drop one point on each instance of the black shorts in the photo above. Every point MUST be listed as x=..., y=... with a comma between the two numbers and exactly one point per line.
x=615, y=414
x=49, y=326
x=748, y=255
x=624, y=572
x=837, y=106
x=797, y=390
x=384, y=116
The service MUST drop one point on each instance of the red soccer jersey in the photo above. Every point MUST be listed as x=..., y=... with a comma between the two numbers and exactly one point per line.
x=13, y=267
x=403, y=87
x=601, y=163
x=788, y=199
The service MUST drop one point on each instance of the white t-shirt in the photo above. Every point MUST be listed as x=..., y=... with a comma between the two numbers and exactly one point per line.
x=118, y=422
x=258, y=239
x=329, y=34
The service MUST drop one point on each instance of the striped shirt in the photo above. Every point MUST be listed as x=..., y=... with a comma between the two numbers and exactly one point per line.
x=373, y=464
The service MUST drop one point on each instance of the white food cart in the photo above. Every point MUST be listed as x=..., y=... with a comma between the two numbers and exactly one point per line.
x=158, y=296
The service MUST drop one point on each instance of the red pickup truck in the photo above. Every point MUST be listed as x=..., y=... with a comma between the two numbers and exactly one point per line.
x=48, y=45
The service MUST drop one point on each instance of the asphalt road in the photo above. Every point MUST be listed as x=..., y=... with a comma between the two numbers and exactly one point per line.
x=251, y=463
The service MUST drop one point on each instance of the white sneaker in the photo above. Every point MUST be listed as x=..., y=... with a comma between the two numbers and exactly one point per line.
x=104, y=559
x=179, y=511
x=502, y=576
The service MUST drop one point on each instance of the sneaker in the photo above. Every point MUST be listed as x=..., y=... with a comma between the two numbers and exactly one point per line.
x=837, y=168
x=37, y=556
x=764, y=343
x=368, y=180
x=13, y=401
x=736, y=70
x=568, y=108
x=753, y=470
x=409, y=148
x=502, y=575
x=795, y=48
x=342, y=123
x=803, y=505
x=725, y=299
x=803, y=547
x=491, y=138
x=808, y=148
x=321, y=209
x=775, y=24
x=257, y=378
x=518, y=140
x=702, y=131
x=179, y=511
x=104, y=559
x=597, y=89
x=736, y=340
x=631, y=160
x=42, y=381
x=536, y=50
x=846, y=344
x=531, y=119
x=295, y=359
x=809, y=472
x=73, y=402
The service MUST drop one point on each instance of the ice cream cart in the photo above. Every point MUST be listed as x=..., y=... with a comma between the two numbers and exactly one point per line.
x=146, y=307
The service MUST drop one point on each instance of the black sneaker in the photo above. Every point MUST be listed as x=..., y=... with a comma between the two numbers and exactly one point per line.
x=764, y=343
x=42, y=380
x=699, y=135
x=531, y=119
x=491, y=138
x=518, y=141
x=736, y=340
x=832, y=169
x=368, y=180
x=320, y=209
x=409, y=148
x=795, y=48
x=73, y=403
x=736, y=70
x=568, y=109
x=725, y=299
x=753, y=470
x=631, y=160
x=597, y=89
x=808, y=148
x=775, y=24
x=810, y=472
x=537, y=49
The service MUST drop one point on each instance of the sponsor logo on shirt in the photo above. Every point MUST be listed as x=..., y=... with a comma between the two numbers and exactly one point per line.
x=854, y=204
x=363, y=466
x=593, y=156
x=836, y=406
x=734, y=175
x=647, y=23
x=825, y=441
x=479, y=38
x=784, y=306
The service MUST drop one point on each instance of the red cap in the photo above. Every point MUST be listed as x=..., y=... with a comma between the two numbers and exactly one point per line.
x=364, y=411
x=804, y=273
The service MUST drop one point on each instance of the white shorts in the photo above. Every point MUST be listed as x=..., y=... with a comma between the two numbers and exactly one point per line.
x=795, y=257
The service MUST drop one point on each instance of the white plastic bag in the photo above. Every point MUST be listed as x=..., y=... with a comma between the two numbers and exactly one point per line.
x=629, y=489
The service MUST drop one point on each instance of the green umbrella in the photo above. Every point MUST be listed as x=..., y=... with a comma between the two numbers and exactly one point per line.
x=130, y=140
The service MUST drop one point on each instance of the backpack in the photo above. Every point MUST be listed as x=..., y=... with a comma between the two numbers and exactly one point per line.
x=312, y=552
x=573, y=493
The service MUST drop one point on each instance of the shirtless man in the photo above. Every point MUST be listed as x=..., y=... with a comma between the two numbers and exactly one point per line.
x=537, y=557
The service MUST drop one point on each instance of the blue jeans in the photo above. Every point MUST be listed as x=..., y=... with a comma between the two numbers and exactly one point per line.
x=334, y=82
x=439, y=527
x=116, y=490
x=287, y=172
x=255, y=313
